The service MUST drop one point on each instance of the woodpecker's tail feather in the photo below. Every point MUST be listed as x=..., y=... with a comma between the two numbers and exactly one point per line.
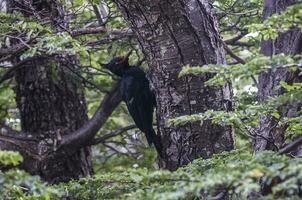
x=158, y=146
x=152, y=138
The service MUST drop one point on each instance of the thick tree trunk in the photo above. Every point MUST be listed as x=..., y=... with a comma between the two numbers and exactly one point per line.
x=51, y=103
x=173, y=34
x=289, y=42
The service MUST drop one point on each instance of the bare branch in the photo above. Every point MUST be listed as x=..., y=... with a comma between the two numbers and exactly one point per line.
x=111, y=135
x=291, y=146
x=240, y=60
x=10, y=52
x=97, y=14
x=17, y=141
x=6, y=131
x=13, y=50
x=232, y=54
x=85, y=134
x=107, y=40
x=95, y=30
x=236, y=38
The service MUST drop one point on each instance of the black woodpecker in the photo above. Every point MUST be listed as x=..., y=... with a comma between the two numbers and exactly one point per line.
x=136, y=93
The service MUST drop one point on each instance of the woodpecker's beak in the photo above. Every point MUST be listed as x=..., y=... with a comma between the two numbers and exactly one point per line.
x=105, y=65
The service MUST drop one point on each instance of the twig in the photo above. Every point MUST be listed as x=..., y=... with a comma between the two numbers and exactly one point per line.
x=115, y=150
x=95, y=30
x=97, y=13
x=236, y=38
x=86, y=133
x=84, y=79
x=240, y=60
x=232, y=54
x=110, y=135
x=291, y=146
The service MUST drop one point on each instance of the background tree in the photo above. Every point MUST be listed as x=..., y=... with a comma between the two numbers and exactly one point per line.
x=50, y=101
x=48, y=95
x=288, y=43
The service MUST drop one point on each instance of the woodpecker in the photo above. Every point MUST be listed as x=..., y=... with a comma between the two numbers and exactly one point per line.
x=136, y=93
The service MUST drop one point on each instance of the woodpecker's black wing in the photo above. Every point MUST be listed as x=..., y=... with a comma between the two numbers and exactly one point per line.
x=140, y=102
x=137, y=95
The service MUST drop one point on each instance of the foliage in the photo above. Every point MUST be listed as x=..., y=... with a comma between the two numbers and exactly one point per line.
x=10, y=158
x=253, y=67
x=7, y=101
x=238, y=171
x=277, y=23
x=17, y=184
x=248, y=110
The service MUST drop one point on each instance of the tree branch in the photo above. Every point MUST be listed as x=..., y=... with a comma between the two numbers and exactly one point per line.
x=95, y=30
x=291, y=146
x=97, y=14
x=85, y=134
x=17, y=141
x=240, y=60
x=6, y=131
x=236, y=38
x=232, y=54
x=11, y=50
x=111, y=135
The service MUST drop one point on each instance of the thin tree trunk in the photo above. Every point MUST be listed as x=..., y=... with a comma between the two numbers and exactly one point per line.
x=173, y=34
x=51, y=103
x=289, y=43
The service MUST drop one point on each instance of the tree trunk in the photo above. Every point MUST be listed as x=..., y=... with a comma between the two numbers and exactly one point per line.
x=288, y=43
x=173, y=34
x=51, y=103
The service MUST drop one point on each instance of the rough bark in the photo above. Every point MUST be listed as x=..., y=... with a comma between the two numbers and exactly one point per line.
x=50, y=101
x=173, y=34
x=289, y=43
x=52, y=105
